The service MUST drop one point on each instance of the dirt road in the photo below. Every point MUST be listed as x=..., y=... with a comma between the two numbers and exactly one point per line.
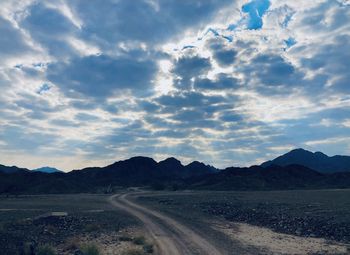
x=170, y=236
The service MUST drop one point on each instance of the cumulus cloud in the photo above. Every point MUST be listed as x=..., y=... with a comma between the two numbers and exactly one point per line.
x=150, y=22
x=102, y=76
x=12, y=45
x=226, y=82
x=221, y=82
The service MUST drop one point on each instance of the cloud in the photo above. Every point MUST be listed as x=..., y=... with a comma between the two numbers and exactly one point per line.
x=85, y=117
x=220, y=81
x=12, y=43
x=187, y=68
x=273, y=70
x=152, y=22
x=18, y=139
x=49, y=28
x=332, y=59
x=102, y=76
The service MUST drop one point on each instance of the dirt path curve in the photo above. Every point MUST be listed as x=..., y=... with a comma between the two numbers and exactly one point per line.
x=170, y=236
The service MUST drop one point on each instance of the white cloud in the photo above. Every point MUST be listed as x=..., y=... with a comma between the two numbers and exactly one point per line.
x=176, y=78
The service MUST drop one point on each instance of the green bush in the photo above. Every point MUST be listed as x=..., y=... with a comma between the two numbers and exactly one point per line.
x=139, y=240
x=133, y=252
x=45, y=250
x=148, y=248
x=90, y=249
x=125, y=239
x=92, y=228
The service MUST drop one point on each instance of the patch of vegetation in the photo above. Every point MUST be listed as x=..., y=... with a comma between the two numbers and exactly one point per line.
x=133, y=252
x=139, y=240
x=92, y=227
x=125, y=238
x=148, y=248
x=90, y=249
x=45, y=250
x=72, y=243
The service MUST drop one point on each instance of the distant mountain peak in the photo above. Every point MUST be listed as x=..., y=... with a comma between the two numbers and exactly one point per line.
x=171, y=160
x=47, y=169
x=199, y=166
x=314, y=160
x=299, y=150
x=12, y=169
x=319, y=153
x=196, y=163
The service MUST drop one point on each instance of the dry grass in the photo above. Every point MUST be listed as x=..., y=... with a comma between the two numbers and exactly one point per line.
x=72, y=243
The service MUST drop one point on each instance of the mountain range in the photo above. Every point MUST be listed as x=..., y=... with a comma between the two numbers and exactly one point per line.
x=289, y=171
x=317, y=161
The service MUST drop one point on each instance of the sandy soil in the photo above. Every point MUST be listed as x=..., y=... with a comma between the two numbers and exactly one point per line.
x=270, y=242
x=108, y=244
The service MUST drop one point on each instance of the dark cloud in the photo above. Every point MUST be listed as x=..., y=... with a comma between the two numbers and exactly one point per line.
x=189, y=110
x=133, y=132
x=83, y=104
x=230, y=116
x=37, y=107
x=64, y=123
x=273, y=69
x=149, y=106
x=173, y=102
x=102, y=76
x=170, y=133
x=225, y=57
x=222, y=52
x=12, y=43
x=50, y=28
x=143, y=21
x=271, y=75
x=21, y=139
x=334, y=61
x=320, y=20
x=186, y=68
x=86, y=117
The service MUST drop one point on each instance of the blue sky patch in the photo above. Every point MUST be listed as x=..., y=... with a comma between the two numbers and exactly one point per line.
x=256, y=10
x=45, y=87
x=290, y=42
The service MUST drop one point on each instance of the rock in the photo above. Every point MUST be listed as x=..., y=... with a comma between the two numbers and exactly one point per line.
x=78, y=252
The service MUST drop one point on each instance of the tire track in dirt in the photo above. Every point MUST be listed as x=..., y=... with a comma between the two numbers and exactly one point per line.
x=170, y=236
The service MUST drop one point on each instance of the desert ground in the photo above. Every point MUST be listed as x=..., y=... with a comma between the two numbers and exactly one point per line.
x=178, y=222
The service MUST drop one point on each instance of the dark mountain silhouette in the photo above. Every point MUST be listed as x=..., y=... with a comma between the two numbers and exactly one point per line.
x=47, y=169
x=272, y=177
x=260, y=178
x=171, y=167
x=11, y=169
x=197, y=168
x=136, y=171
x=317, y=161
x=171, y=174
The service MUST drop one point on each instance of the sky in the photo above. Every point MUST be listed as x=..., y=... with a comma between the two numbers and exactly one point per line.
x=226, y=82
